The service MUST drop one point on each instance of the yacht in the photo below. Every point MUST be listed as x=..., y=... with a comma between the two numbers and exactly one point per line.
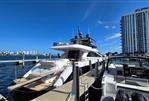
x=48, y=74
x=126, y=79
x=2, y=98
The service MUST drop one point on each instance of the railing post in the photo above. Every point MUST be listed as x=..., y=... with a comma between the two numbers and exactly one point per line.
x=103, y=64
x=107, y=62
x=75, y=87
x=23, y=62
x=90, y=64
x=50, y=56
x=96, y=68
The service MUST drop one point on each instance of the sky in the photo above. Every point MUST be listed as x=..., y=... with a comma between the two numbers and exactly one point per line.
x=27, y=25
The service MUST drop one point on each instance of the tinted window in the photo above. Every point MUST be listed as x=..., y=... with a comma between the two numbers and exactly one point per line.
x=74, y=54
x=92, y=54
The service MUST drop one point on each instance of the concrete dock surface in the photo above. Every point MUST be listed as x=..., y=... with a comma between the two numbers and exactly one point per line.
x=63, y=93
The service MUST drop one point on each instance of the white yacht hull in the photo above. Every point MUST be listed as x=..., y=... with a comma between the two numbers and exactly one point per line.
x=51, y=70
x=84, y=67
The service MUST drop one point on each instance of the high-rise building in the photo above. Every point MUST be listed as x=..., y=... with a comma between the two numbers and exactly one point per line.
x=135, y=32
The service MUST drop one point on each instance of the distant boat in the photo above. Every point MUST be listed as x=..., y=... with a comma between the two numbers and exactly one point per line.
x=53, y=73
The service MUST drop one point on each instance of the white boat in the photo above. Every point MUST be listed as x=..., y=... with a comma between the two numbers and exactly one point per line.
x=83, y=54
x=54, y=73
x=2, y=98
x=126, y=80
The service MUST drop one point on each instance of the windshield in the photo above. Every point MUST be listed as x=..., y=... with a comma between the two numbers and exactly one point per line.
x=134, y=71
x=130, y=67
x=137, y=62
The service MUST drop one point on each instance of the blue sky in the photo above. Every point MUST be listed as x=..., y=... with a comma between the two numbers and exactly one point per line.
x=36, y=24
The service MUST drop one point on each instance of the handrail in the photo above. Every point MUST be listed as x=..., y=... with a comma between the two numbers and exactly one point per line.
x=76, y=41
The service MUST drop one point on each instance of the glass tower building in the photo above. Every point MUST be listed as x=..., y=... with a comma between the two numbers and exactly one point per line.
x=135, y=32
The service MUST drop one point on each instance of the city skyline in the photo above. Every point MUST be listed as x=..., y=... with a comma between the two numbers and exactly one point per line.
x=35, y=25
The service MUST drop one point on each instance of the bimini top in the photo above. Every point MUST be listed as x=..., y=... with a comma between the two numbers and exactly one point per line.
x=74, y=47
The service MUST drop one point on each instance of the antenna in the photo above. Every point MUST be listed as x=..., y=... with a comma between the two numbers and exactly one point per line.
x=73, y=31
x=78, y=29
x=88, y=30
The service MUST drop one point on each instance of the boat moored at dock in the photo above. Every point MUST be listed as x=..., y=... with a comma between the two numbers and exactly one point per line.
x=126, y=79
x=48, y=74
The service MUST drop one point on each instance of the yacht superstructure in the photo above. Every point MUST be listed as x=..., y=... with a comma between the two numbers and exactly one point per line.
x=80, y=53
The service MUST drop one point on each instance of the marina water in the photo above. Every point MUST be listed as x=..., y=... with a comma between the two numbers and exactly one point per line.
x=10, y=71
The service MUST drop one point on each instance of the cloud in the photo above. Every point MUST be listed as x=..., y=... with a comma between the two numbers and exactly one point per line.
x=89, y=10
x=114, y=36
x=107, y=27
x=120, y=47
x=113, y=27
x=100, y=22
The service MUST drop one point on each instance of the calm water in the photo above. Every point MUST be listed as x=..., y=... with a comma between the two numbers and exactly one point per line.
x=10, y=71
